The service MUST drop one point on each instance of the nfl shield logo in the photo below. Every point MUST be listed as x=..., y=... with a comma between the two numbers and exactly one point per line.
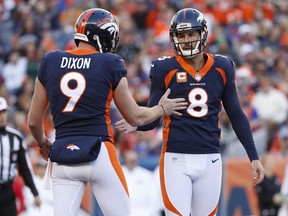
x=198, y=77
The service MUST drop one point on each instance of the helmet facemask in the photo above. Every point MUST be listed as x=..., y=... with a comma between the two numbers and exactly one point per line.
x=108, y=39
x=195, y=49
x=185, y=21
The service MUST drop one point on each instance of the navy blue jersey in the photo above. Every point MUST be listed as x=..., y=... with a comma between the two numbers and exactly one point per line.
x=197, y=131
x=80, y=86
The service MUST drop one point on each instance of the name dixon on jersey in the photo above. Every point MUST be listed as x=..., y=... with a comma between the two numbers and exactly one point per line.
x=75, y=63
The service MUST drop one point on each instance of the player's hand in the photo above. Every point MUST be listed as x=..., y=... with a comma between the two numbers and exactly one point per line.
x=124, y=126
x=258, y=171
x=171, y=106
x=37, y=201
x=45, y=150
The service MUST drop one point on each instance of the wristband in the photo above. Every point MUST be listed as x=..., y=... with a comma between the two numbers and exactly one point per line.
x=43, y=143
x=163, y=109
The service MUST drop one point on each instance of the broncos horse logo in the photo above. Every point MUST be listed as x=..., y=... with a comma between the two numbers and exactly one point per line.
x=72, y=147
x=111, y=27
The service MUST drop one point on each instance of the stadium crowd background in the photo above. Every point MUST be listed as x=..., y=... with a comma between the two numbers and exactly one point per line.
x=254, y=33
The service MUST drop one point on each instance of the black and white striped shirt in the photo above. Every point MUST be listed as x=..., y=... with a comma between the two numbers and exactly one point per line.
x=13, y=158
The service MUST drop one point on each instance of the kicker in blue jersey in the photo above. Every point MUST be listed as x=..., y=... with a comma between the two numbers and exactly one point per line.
x=69, y=78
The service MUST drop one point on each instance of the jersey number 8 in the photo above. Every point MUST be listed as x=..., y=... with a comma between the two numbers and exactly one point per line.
x=198, y=102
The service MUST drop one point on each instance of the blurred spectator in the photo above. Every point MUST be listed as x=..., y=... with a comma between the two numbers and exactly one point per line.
x=246, y=41
x=29, y=31
x=228, y=136
x=68, y=16
x=47, y=43
x=140, y=185
x=140, y=91
x=14, y=71
x=245, y=95
x=283, y=140
x=230, y=144
x=161, y=23
x=150, y=52
x=124, y=143
x=46, y=208
x=280, y=70
x=129, y=46
x=272, y=107
x=260, y=67
x=158, y=205
x=268, y=192
x=219, y=43
x=33, y=57
x=140, y=15
x=4, y=92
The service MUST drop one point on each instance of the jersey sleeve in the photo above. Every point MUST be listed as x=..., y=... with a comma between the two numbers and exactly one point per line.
x=41, y=70
x=236, y=115
x=158, y=88
x=156, y=92
x=118, y=69
x=47, y=60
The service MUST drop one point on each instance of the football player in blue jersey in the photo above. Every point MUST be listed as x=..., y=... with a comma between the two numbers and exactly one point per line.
x=190, y=163
x=79, y=86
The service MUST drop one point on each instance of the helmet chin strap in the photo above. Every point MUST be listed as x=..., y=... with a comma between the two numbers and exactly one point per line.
x=99, y=44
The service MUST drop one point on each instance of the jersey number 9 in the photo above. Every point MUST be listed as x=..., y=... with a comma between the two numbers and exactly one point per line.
x=74, y=94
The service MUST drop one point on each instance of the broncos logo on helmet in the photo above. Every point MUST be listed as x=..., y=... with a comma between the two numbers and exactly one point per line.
x=99, y=28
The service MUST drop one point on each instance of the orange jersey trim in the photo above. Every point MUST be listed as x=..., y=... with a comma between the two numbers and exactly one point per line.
x=222, y=73
x=165, y=133
x=169, y=77
x=189, y=69
x=165, y=197
x=116, y=165
x=107, y=115
x=81, y=52
x=214, y=211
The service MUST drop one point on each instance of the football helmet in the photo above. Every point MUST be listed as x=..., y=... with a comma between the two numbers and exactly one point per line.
x=99, y=28
x=185, y=20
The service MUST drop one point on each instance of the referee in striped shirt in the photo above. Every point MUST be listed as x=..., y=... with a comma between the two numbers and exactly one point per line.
x=13, y=158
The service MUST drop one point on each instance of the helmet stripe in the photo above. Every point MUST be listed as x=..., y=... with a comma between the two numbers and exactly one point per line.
x=81, y=27
x=185, y=10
